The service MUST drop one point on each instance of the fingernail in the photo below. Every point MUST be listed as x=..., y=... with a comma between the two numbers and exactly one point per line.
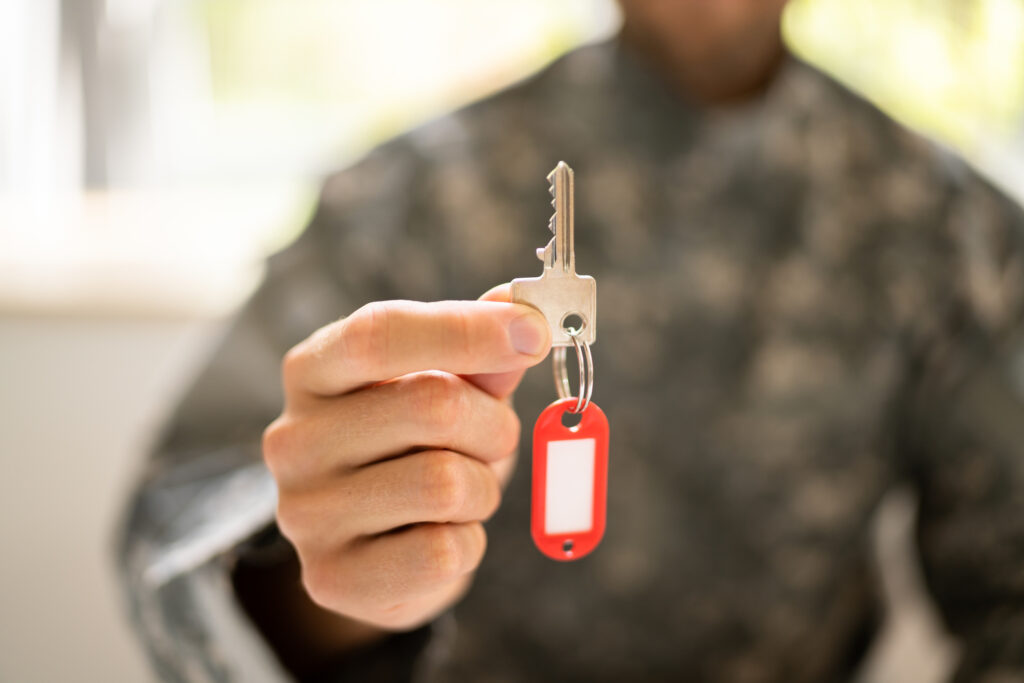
x=528, y=333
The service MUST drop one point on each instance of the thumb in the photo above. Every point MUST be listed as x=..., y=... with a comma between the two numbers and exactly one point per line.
x=498, y=384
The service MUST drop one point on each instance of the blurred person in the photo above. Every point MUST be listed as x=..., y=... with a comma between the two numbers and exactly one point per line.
x=803, y=305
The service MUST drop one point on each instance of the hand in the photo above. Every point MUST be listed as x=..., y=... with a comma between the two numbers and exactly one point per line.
x=395, y=442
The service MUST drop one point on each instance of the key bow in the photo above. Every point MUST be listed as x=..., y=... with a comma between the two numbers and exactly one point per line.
x=567, y=300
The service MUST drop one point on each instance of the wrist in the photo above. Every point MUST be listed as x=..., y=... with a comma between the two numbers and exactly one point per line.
x=306, y=638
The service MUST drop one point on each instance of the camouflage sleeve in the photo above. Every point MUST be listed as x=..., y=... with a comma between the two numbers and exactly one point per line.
x=966, y=437
x=204, y=492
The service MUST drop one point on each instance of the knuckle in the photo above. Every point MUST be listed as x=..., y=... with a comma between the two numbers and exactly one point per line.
x=317, y=581
x=291, y=364
x=440, y=400
x=285, y=445
x=481, y=547
x=444, y=555
x=278, y=443
x=509, y=432
x=364, y=337
x=493, y=498
x=289, y=520
x=464, y=338
x=445, y=483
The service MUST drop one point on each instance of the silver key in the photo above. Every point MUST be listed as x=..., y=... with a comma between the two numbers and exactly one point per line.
x=566, y=299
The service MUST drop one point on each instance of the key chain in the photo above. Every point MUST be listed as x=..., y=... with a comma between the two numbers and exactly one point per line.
x=570, y=464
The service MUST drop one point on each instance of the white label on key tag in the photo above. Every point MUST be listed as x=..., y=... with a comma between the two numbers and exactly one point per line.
x=569, y=498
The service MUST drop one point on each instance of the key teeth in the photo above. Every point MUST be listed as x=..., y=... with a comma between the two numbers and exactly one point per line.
x=554, y=195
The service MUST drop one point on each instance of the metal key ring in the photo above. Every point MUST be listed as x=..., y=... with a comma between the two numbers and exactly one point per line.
x=561, y=373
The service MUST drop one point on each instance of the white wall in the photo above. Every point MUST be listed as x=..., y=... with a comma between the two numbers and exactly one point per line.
x=79, y=398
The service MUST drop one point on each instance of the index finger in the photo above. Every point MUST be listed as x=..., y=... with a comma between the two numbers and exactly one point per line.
x=387, y=339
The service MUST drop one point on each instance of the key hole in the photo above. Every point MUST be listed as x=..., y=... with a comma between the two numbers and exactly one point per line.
x=567, y=547
x=573, y=323
x=571, y=421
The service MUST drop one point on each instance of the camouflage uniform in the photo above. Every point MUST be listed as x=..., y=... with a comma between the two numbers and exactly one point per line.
x=802, y=305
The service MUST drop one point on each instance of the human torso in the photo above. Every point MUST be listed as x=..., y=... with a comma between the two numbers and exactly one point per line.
x=757, y=287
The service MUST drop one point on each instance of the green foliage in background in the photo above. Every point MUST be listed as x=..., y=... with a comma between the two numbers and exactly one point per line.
x=952, y=68
x=380, y=65
x=313, y=83
x=368, y=68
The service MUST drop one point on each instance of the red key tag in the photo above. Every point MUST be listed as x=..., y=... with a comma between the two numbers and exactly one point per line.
x=570, y=481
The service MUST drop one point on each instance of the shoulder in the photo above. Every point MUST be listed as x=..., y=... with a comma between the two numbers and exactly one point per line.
x=898, y=164
x=922, y=227
x=836, y=122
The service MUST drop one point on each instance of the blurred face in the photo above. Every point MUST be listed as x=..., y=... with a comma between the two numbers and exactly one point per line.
x=714, y=48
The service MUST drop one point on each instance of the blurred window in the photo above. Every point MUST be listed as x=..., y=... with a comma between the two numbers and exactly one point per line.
x=179, y=141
